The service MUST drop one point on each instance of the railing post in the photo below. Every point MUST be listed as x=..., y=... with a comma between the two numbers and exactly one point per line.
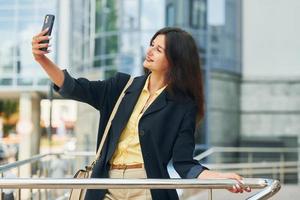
x=298, y=165
x=250, y=160
x=1, y=191
x=210, y=194
x=47, y=175
x=218, y=158
x=39, y=171
x=281, y=169
x=31, y=190
x=19, y=190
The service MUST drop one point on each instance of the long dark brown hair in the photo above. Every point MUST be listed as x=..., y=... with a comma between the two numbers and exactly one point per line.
x=184, y=75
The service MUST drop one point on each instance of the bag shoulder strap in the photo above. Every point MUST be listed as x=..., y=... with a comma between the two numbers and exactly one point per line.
x=112, y=115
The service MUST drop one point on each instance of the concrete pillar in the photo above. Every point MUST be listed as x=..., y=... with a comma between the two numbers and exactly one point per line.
x=63, y=33
x=86, y=130
x=224, y=114
x=36, y=132
x=1, y=127
x=28, y=128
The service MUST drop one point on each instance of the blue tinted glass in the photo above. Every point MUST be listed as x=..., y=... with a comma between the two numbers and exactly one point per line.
x=6, y=14
x=6, y=25
x=6, y=3
x=26, y=13
x=24, y=2
x=6, y=52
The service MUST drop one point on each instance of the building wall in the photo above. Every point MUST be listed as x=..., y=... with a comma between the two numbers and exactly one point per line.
x=270, y=107
x=270, y=95
x=225, y=109
x=271, y=38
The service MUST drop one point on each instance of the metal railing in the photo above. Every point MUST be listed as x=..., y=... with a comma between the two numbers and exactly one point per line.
x=249, y=150
x=270, y=186
x=279, y=166
x=16, y=166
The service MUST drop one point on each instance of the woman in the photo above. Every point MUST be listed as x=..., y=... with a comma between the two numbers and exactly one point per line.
x=156, y=119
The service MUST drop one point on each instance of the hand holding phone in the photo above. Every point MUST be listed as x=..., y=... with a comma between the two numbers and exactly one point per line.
x=48, y=23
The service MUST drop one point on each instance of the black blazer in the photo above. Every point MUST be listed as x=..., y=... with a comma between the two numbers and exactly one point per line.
x=166, y=130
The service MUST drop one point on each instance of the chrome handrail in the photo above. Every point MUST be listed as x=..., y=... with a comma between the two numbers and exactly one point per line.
x=198, y=157
x=253, y=165
x=23, y=162
x=271, y=186
x=212, y=150
x=38, y=157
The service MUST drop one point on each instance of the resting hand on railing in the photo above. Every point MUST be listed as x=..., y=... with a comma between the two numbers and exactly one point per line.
x=238, y=188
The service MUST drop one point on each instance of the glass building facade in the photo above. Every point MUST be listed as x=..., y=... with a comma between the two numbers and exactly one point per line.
x=19, y=21
x=94, y=37
x=216, y=28
x=222, y=40
x=80, y=35
x=110, y=35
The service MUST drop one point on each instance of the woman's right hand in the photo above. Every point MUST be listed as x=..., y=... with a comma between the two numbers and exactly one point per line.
x=55, y=74
x=237, y=188
x=37, y=53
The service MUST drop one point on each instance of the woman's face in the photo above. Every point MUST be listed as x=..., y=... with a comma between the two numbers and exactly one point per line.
x=156, y=60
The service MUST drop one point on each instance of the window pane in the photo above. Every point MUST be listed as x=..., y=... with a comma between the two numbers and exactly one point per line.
x=170, y=15
x=198, y=14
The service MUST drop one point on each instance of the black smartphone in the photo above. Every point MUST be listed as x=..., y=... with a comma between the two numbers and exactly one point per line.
x=48, y=23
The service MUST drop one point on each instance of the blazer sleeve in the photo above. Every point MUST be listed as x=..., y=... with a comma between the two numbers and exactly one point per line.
x=94, y=93
x=183, y=150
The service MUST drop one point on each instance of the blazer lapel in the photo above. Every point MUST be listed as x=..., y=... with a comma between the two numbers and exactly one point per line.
x=159, y=103
x=124, y=111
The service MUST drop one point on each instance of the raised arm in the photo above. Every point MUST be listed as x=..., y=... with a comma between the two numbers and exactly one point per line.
x=98, y=94
x=53, y=71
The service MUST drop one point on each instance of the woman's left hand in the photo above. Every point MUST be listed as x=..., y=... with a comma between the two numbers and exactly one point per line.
x=237, y=188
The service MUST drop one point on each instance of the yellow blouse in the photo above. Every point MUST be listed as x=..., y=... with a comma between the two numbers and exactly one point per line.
x=128, y=150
